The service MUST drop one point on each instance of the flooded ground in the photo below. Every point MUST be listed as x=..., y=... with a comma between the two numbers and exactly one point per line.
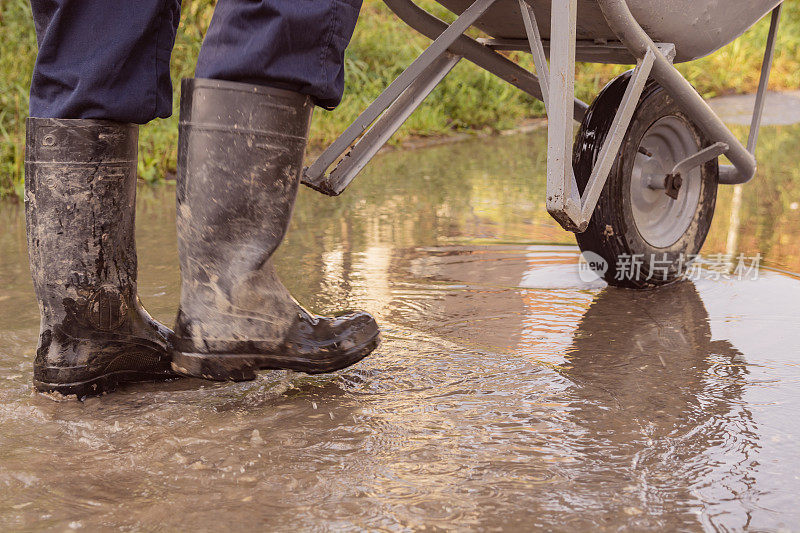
x=507, y=393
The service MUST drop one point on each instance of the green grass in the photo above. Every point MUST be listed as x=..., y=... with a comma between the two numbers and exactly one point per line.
x=470, y=99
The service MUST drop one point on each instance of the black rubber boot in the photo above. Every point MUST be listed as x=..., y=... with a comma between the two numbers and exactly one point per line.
x=240, y=154
x=80, y=190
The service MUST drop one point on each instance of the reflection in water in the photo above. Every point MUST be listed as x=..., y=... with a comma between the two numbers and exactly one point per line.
x=651, y=398
x=507, y=394
x=735, y=224
x=665, y=400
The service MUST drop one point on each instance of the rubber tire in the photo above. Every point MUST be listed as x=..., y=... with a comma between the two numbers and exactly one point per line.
x=612, y=231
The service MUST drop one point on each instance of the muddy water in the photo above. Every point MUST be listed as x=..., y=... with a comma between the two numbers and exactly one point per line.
x=507, y=393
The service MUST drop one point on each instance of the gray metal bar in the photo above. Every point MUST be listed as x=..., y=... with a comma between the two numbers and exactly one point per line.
x=612, y=52
x=397, y=102
x=386, y=125
x=315, y=173
x=560, y=192
x=766, y=68
x=700, y=158
x=563, y=201
x=573, y=212
x=613, y=141
x=475, y=52
x=729, y=175
x=693, y=161
x=624, y=25
x=537, y=49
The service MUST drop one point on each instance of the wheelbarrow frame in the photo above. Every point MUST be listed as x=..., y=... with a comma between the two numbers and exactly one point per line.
x=555, y=86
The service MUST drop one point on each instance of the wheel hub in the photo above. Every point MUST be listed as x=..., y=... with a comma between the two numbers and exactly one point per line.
x=663, y=212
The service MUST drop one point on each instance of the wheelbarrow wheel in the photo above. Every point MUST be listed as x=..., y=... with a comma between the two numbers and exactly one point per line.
x=644, y=236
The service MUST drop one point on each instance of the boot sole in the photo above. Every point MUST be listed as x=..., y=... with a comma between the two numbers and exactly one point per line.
x=102, y=384
x=243, y=367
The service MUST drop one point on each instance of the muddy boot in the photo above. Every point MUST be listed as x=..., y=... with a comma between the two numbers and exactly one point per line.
x=240, y=154
x=80, y=189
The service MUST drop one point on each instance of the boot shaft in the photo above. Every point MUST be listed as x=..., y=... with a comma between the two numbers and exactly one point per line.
x=80, y=190
x=240, y=155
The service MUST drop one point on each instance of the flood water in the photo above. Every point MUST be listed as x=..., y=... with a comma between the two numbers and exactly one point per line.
x=507, y=394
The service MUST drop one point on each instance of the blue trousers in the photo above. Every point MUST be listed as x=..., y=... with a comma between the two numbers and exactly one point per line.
x=109, y=59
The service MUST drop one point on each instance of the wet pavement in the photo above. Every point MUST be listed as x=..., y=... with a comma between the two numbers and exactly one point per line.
x=507, y=393
x=781, y=108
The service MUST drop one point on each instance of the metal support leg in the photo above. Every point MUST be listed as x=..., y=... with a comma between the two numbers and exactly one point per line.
x=384, y=127
x=766, y=68
x=613, y=141
x=728, y=174
x=314, y=176
x=386, y=114
x=571, y=210
x=563, y=202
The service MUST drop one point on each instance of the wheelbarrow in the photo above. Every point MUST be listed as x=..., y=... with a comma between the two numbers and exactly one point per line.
x=638, y=182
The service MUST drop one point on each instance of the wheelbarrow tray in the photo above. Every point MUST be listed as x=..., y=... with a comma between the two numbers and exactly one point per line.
x=696, y=27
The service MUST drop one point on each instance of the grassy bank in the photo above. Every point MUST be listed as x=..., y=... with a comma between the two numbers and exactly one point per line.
x=470, y=99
